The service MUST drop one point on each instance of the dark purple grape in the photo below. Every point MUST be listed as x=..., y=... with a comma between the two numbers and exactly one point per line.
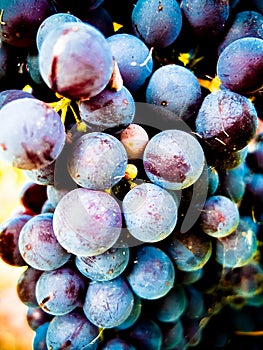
x=32, y=134
x=33, y=196
x=206, y=18
x=11, y=95
x=148, y=16
x=117, y=344
x=240, y=65
x=26, y=286
x=244, y=24
x=105, y=266
x=152, y=273
x=177, y=89
x=72, y=331
x=173, y=336
x=38, y=244
x=9, y=236
x=134, y=139
x=75, y=60
x=79, y=6
x=36, y=317
x=19, y=23
x=109, y=303
x=146, y=335
x=226, y=122
x=60, y=291
x=219, y=216
x=99, y=18
x=87, y=222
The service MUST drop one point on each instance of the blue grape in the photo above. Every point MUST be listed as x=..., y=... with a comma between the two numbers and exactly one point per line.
x=72, y=331
x=239, y=66
x=117, y=344
x=39, y=134
x=195, y=307
x=173, y=335
x=146, y=335
x=176, y=88
x=97, y=161
x=226, y=122
x=133, y=316
x=244, y=24
x=133, y=58
x=55, y=194
x=173, y=159
x=148, y=16
x=206, y=18
x=108, y=110
x=43, y=176
x=9, y=235
x=39, y=246
x=99, y=18
x=60, y=291
x=213, y=180
x=109, y=303
x=7, y=96
x=52, y=22
x=191, y=250
x=171, y=307
x=238, y=248
x=87, y=222
x=75, y=60
x=152, y=274
x=39, y=340
x=219, y=217
x=105, y=266
x=150, y=212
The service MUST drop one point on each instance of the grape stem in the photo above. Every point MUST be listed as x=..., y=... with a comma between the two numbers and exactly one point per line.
x=1, y=17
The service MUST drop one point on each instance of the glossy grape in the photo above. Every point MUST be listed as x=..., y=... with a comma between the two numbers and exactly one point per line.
x=87, y=222
x=173, y=159
x=152, y=274
x=175, y=88
x=146, y=335
x=134, y=139
x=239, y=65
x=39, y=134
x=109, y=303
x=38, y=244
x=148, y=16
x=60, y=291
x=108, y=110
x=117, y=344
x=97, y=161
x=26, y=286
x=72, y=331
x=150, y=212
x=75, y=61
x=105, y=266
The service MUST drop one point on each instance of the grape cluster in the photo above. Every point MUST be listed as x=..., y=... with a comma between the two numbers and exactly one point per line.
x=138, y=125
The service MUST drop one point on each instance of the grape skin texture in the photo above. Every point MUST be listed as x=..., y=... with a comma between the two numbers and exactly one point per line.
x=226, y=121
x=176, y=88
x=72, y=331
x=97, y=161
x=104, y=267
x=32, y=134
x=133, y=58
x=150, y=212
x=109, y=109
x=38, y=244
x=151, y=15
x=60, y=291
x=173, y=159
x=75, y=60
x=219, y=216
x=240, y=65
x=91, y=226
x=109, y=303
x=152, y=274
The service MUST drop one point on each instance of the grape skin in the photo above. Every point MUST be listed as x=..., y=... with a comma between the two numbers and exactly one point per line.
x=87, y=222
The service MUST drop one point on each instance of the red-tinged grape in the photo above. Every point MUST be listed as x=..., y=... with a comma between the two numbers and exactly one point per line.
x=87, y=222
x=32, y=134
x=75, y=61
x=173, y=159
x=134, y=138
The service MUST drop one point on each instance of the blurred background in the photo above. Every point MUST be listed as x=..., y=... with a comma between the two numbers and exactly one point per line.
x=15, y=334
